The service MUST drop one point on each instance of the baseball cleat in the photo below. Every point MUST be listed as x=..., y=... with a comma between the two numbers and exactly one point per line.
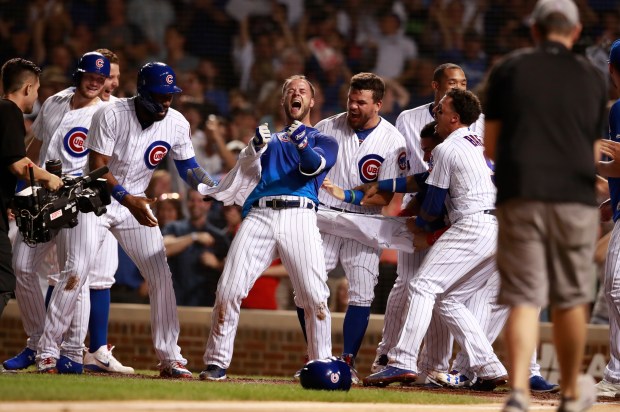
x=539, y=384
x=47, y=365
x=24, y=359
x=390, y=374
x=176, y=370
x=213, y=373
x=102, y=360
x=350, y=360
x=380, y=362
x=607, y=389
x=446, y=379
x=65, y=365
x=489, y=384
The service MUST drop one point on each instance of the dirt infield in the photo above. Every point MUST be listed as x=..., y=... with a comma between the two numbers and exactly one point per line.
x=175, y=406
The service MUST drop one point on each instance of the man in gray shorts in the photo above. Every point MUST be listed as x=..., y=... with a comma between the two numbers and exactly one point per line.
x=546, y=205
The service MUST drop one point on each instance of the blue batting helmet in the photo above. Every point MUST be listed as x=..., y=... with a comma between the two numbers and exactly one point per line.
x=92, y=62
x=159, y=78
x=330, y=374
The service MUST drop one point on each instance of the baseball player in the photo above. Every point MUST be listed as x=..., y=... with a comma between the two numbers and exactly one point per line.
x=280, y=221
x=463, y=258
x=438, y=342
x=370, y=148
x=610, y=385
x=131, y=137
x=59, y=133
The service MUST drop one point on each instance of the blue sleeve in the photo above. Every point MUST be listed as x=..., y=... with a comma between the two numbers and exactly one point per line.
x=614, y=122
x=191, y=172
x=321, y=157
x=433, y=205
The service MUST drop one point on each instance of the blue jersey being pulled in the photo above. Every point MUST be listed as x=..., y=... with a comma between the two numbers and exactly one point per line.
x=280, y=174
x=614, y=134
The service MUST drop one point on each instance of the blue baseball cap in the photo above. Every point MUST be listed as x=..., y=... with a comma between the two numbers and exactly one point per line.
x=614, y=53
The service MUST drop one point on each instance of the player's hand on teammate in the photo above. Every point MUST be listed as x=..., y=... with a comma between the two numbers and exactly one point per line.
x=262, y=136
x=140, y=208
x=296, y=132
x=369, y=189
x=332, y=189
x=610, y=149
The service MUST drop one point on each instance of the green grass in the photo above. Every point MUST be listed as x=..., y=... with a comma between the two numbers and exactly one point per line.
x=34, y=387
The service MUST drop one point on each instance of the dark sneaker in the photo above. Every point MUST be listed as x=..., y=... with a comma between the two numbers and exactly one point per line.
x=489, y=384
x=67, y=366
x=539, y=384
x=24, y=359
x=213, y=373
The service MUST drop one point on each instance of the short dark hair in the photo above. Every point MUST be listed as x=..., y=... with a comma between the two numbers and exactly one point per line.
x=110, y=55
x=297, y=77
x=466, y=104
x=15, y=73
x=440, y=71
x=428, y=130
x=369, y=81
x=556, y=23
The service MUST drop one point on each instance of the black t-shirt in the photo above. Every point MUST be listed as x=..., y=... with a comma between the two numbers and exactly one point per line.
x=12, y=149
x=552, y=105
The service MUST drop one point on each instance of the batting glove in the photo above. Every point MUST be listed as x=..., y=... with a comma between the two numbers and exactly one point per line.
x=297, y=134
x=262, y=136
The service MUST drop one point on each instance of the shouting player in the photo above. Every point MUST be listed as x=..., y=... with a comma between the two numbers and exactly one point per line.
x=280, y=221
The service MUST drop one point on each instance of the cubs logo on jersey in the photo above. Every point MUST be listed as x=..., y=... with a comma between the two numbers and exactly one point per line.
x=74, y=142
x=402, y=160
x=369, y=167
x=155, y=153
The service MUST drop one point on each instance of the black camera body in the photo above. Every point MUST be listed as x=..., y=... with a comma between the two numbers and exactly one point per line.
x=41, y=213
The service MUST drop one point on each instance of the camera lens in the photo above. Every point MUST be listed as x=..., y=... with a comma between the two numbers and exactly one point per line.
x=54, y=167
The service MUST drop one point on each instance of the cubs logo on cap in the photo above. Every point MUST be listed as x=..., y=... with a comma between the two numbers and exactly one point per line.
x=99, y=63
x=169, y=79
x=74, y=142
x=369, y=167
x=155, y=153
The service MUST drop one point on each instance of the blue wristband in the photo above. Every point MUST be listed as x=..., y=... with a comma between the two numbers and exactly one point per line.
x=353, y=196
x=118, y=193
x=398, y=185
x=386, y=185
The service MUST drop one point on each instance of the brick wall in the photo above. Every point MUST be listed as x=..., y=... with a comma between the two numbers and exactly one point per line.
x=267, y=342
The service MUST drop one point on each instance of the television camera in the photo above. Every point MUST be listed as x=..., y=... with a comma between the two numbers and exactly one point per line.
x=41, y=213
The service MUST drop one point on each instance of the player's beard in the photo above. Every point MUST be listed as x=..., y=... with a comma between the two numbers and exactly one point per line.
x=299, y=114
x=358, y=121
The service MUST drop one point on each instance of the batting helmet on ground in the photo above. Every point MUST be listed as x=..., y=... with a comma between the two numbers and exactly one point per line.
x=92, y=62
x=158, y=78
x=330, y=374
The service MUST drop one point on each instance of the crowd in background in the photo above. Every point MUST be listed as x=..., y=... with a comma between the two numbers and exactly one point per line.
x=231, y=56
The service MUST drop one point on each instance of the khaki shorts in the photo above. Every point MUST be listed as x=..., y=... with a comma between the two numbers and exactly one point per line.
x=545, y=253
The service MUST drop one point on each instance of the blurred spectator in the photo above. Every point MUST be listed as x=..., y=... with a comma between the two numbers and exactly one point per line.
x=120, y=35
x=217, y=137
x=215, y=92
x=129, y=285
x=341, y=301
x=152, y=17
x=51, y=26
x=421, y=89
x=395, y=52
x=53, y=79
x=61, y=56
x=161, y=182
x=395, y=100
x=473, y=59
x=196, y=250
x=242, y=125
x=82, y=39
x=175, y=54
x=168, y=209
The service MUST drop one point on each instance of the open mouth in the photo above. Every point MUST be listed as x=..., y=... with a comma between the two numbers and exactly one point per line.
x=296, y=104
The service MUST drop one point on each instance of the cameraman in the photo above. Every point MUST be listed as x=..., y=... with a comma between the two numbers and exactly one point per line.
x=20, y=82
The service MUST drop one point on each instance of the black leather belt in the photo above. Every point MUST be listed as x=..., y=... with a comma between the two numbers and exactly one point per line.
x=283, y=204
x=489, y=212
x=337, y=209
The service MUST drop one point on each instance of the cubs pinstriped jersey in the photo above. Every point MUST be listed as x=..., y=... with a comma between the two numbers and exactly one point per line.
x=63, y=131
x=382, y=155
x=135, y=152
x=460, y=165
x=280, y=173
x=410, y=123
x=614, y=134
